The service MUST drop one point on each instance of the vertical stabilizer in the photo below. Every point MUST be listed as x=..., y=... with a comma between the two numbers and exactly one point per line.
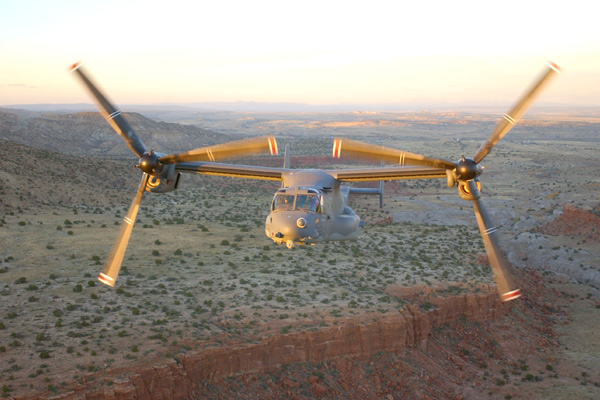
x=286, y=157
x=286, y=161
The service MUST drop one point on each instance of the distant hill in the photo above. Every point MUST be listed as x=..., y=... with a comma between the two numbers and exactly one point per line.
x=88, y=133
x=293, y=107
x=69, y=159
x=31, y=177
x=232, y=106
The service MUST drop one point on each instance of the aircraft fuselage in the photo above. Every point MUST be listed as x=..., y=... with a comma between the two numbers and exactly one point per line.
x=311, y=208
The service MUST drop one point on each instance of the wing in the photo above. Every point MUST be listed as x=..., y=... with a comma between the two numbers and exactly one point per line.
x=232, y=170
x=387, y=174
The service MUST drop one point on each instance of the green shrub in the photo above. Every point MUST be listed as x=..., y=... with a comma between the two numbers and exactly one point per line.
x=285, y=329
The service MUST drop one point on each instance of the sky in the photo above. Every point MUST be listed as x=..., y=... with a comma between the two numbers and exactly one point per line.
x=315, y=52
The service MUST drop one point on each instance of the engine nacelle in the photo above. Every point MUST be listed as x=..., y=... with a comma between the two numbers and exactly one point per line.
x=166, y=181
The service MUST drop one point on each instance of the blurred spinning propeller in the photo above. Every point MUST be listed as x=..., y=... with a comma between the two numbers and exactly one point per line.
x=152, y=165
x=465, y=174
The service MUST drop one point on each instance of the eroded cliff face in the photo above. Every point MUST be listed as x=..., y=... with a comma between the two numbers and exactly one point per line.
x=574, y=222
x=409, y=327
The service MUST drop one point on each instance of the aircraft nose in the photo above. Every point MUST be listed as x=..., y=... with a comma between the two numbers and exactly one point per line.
x=292, y=226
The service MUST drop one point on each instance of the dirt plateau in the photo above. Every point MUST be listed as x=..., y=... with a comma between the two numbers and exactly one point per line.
x=452, y=348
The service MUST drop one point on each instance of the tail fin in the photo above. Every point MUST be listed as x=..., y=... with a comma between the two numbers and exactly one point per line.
x=286, y=157
x=286, y=160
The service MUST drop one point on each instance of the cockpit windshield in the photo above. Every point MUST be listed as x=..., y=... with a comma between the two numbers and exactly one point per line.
x=307, y=202
x=302, y=202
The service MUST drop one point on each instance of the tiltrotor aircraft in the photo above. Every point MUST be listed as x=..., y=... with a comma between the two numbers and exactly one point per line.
x=312, y=205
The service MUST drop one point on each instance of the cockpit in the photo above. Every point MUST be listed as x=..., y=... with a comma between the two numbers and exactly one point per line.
x=305, y=200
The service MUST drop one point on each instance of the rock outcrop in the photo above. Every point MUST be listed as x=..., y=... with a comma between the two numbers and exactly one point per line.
x=574, y=222
x=410, y=327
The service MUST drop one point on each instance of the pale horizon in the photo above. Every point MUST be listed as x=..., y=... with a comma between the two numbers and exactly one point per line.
x=317, y=53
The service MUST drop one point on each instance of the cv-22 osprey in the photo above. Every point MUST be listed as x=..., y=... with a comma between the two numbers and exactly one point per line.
x=312, y=205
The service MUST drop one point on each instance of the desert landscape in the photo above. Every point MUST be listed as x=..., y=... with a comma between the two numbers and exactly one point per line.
x=206, y=305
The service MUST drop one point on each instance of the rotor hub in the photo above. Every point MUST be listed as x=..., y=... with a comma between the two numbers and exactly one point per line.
x=149, y=163
x=467, y=169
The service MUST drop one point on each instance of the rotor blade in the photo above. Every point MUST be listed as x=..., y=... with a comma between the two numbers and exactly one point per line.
x=226, y=150
x=371, y=152
x=110, y=113
x=108, y=276
x=509, y=120
x=498, y=263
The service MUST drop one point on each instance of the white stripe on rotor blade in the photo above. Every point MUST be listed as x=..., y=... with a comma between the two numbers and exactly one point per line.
x=107, y=280
x=105, y=277
x=114, y=114
x=553, y=66
x=337, y=148
x=509, y=119
x=128, y=220
x=491, y=230
x=273, y=146
x=210, y=154
x=511, y=295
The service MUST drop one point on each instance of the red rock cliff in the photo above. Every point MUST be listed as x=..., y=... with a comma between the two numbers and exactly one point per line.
x=574, y=222
x=395, y=333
